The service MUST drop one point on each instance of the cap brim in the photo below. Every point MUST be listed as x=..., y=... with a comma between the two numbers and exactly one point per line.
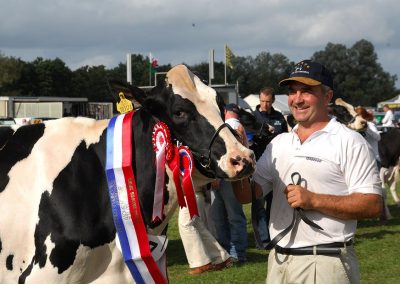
x=304, y=80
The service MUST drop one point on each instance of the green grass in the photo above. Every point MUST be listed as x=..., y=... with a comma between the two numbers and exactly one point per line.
x=376, y=246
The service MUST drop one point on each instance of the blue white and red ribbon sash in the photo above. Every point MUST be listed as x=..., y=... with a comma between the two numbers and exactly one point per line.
x=125, y=203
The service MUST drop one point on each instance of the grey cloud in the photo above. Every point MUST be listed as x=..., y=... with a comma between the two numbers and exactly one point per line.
x=84, y=32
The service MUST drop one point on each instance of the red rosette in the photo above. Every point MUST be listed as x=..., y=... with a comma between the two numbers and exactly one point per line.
x=186, y=159
x=162, y=137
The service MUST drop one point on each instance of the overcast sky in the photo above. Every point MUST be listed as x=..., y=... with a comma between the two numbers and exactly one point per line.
x=94, y=32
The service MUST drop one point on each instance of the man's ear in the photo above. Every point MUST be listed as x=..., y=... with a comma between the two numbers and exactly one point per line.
x=328, y=97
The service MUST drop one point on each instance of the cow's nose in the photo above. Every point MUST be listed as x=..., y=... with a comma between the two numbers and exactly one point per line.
x=243, y=165
x=363, y=123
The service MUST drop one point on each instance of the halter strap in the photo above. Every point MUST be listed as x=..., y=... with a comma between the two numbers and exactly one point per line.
x=205, y=159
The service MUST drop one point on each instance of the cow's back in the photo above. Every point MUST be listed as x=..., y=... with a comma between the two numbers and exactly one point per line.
x=389, y=147
x=55, y=223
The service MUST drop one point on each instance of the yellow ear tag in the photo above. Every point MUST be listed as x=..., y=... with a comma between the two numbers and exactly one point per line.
x=124, y=105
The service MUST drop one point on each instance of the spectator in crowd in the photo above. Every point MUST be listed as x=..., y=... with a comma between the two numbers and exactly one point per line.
x=266, y=113
x=324, y=179
x=389, y=119
x=228, y=219
x=372, y=135
x=202, y=250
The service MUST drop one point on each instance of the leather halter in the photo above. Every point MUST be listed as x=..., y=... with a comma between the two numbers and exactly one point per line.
x=204, y=158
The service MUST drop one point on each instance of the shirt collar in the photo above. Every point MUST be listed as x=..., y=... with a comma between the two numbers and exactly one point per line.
x=331, y=127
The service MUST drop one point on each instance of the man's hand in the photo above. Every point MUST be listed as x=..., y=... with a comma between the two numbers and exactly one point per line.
x=298, y=196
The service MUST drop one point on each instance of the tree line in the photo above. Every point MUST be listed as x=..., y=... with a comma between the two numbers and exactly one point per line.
x=359, y=78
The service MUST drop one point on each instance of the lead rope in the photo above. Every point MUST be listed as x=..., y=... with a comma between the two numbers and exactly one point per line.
x=298, y=213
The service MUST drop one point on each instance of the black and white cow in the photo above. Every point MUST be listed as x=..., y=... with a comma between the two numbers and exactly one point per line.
x=389, y=153
x=346, y=115
x=56, y=223
x=388, y=147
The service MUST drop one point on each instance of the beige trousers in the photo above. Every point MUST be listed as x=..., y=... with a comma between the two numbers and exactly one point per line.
x=318, y=269
x=200, y=246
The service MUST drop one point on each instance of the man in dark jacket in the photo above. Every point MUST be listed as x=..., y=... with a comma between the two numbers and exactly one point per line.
x=267, y=114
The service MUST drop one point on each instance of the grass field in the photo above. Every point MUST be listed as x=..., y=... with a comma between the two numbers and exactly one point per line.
x=376, y=247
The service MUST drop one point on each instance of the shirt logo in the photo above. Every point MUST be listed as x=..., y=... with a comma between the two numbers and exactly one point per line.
x=314, y=159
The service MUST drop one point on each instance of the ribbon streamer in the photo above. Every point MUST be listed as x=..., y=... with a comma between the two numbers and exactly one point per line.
x=161, y=145
x=125, y=203
x=174, y=165
x=186, y=166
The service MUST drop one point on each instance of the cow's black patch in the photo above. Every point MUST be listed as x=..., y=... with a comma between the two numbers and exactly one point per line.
x=388, y=146
x=18, y=147
x=76, y=212
x=1, y=246
x=5, y=134
x=9, y=262
x=341, y=113
x=26, y=273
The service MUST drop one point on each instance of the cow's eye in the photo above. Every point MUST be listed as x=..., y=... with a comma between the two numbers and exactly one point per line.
x=180, y=114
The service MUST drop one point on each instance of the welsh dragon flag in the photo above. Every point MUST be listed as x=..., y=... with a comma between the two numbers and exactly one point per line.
x=153, y=63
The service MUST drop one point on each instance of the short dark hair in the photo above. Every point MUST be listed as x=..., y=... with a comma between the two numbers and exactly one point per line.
x=268, y=91
x=233, y=108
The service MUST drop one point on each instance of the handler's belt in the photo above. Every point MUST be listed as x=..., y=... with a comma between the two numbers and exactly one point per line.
x=325, y=249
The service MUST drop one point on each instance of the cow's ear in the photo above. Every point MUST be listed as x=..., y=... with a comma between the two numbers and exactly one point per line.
x=129, y=91
x=155, y=100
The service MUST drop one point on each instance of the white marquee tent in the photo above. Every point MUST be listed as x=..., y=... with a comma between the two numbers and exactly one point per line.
x=393, y=102
x=252, y=100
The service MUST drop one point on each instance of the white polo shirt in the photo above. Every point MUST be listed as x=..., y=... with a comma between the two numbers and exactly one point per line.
x=334, y=160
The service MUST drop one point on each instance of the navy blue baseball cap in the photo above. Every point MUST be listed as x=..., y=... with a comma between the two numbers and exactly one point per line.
x=310, y=73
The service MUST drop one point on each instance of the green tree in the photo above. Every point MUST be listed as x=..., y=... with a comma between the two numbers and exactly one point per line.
x=10, y=74
x=243, y=72
x=358, y=77
x=264, y=70
x=91, y=83
x=269, y=70
x=53, y=78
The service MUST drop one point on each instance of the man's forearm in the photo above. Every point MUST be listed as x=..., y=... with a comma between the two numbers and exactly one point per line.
x=353, y=206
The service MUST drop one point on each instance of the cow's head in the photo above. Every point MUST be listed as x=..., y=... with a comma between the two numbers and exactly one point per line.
x=346, y=115
x=193, y=113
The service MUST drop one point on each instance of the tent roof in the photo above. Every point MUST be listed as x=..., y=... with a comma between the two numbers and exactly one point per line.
x=393, y=102
x=252, y=100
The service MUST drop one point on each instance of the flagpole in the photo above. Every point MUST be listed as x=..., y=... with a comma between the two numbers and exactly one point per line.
x=150, y=59
x=225, y=62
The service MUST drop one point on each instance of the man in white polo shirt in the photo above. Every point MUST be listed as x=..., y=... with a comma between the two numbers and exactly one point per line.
x=323, y=177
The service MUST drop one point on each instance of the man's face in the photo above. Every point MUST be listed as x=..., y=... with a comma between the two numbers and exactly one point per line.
x=309, y=104
x=266, y=102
